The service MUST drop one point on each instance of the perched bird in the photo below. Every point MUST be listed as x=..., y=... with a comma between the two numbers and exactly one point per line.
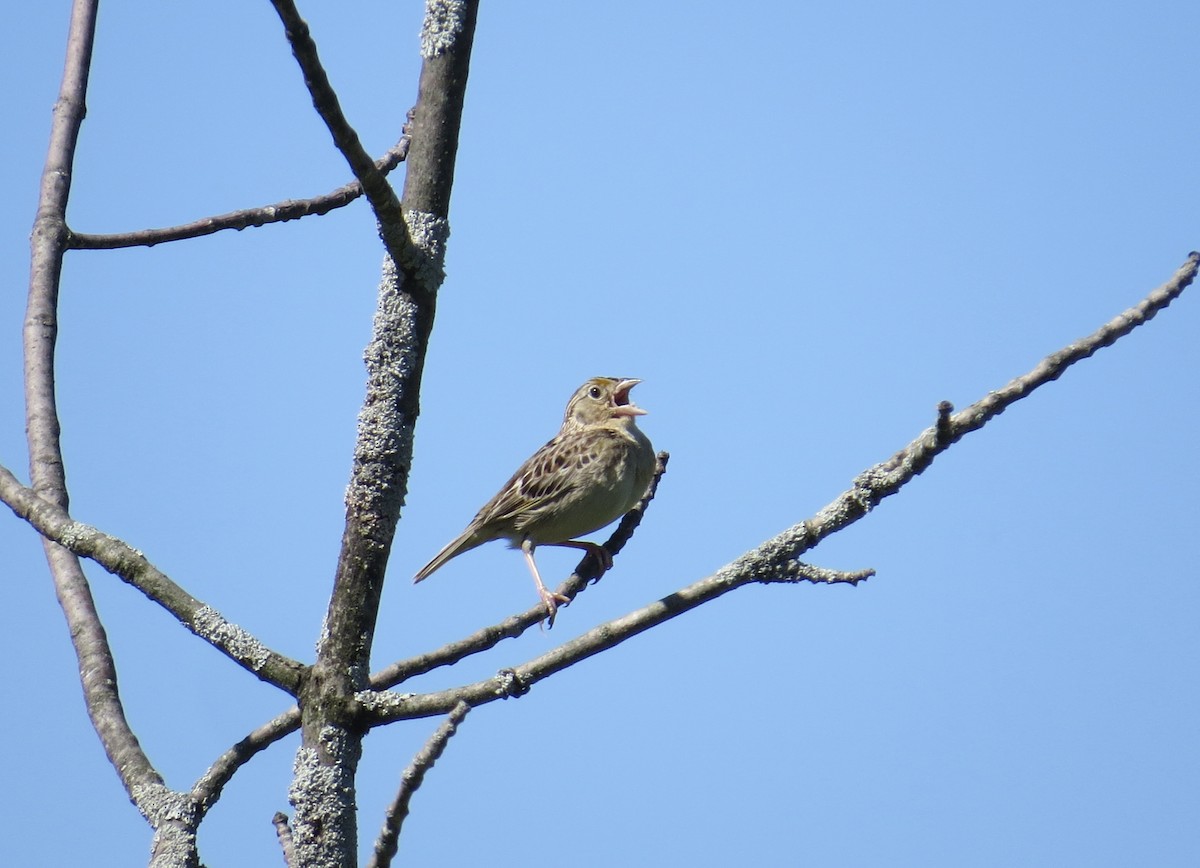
x=594, y=471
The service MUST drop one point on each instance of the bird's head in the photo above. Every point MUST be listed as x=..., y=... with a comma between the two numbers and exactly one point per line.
x=599, y=400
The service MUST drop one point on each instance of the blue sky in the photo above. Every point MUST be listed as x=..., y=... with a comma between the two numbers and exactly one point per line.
x=802, y=225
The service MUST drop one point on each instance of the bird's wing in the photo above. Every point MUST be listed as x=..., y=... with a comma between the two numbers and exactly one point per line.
x=548, y=478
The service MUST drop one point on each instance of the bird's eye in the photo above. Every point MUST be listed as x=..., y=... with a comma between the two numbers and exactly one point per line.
x=594, y=392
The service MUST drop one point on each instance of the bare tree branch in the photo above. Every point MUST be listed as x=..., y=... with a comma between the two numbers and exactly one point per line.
x=326, y=764
x=98, y=674
x=130, y=565
x=207, y=790
x=337, y=705
x=383, y=451
x=775, y=561
x=46, y=255
x=280, y=212
x=379, y=192
x=410, y=782
x=772, y=562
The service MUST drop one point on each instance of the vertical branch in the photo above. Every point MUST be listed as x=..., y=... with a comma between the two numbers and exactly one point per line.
x=47, y=245
x=166, y=812
x=446, y=38
x=414, y=236
x=395, y=357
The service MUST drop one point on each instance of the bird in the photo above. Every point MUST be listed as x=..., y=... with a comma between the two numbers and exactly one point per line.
x=590, y=474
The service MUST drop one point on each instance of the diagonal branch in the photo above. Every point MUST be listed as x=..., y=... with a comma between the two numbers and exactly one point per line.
x=513, y=626
x=415, y=238
x=395, y=356
x=280, y=212
x=130, y=565
x=775, y=561
x=587, y=572
x=207, y=790
x=410, y=782
x=772, y=562
x=379, y=192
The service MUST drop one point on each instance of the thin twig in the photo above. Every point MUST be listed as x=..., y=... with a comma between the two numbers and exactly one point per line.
x=384, y=201
x=280, y=212
x=410, y=782
x=588, y=571
x=514, y=625
x=207, y=790
x=775, y=561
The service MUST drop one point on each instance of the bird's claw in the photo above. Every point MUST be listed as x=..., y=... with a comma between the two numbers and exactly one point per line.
x=551, y=599
x=604, y=561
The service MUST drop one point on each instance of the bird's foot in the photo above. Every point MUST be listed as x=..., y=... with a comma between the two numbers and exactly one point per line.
x=551, y=599
x=603, y=559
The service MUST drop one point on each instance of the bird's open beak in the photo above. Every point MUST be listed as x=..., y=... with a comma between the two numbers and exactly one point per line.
x=625, y=407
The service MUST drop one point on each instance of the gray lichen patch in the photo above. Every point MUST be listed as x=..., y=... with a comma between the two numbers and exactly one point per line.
x=211, y=625
x=385, y=702
x=160, y=804
x=443, y=22
x=74, y=533
x=429, y=234
x=322, y=792
x=384, y=442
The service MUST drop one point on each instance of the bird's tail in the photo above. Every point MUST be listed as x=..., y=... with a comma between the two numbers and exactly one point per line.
x=464, y=542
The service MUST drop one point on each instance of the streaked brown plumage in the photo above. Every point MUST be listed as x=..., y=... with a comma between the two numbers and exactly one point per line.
x=594, y=471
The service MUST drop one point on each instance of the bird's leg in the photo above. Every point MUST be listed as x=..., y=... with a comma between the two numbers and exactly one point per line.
x=550, y=599
x=600, y=553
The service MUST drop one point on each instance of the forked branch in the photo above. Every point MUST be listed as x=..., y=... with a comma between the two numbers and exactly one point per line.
x=776, y=560
x=130, y=565
x=279, y=212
